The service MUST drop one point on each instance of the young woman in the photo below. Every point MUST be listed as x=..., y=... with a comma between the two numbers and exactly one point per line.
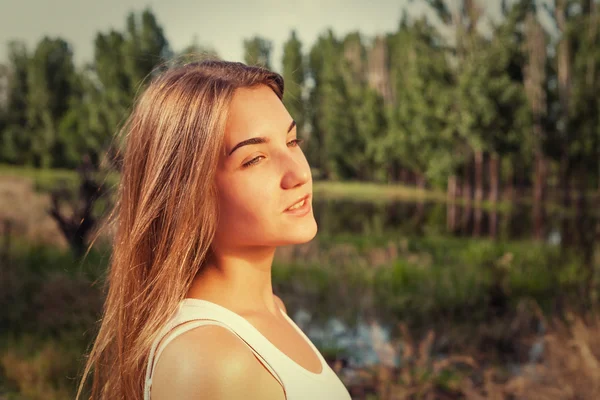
x=212, y=182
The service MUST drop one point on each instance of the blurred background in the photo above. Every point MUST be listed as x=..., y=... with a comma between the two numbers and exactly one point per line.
x=455, y=151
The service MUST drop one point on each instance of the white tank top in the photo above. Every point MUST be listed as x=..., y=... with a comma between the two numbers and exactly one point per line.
x=298, y=383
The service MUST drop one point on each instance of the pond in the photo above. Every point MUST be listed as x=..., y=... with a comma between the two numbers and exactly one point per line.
x=336, y=217
x=368, y=340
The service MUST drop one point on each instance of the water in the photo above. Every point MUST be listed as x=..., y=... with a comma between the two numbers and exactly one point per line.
x=364, y=345
x=368, y=343
x=336, y=217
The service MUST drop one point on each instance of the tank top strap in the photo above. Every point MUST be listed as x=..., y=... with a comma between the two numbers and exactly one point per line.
x=188, y=318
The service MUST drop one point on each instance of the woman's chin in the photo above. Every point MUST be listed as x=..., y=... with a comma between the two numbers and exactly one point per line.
x=300, y=234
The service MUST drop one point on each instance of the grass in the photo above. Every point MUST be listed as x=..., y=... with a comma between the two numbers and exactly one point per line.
x=376, y=192
x=427, y=283
x=412, y=277
x=33, y=367
x=46, y=175
x=570, y=370
x=431, y=281
x=46, y=179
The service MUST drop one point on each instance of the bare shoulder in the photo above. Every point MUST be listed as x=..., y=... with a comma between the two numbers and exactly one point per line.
x=280, y=303
x=211, y=362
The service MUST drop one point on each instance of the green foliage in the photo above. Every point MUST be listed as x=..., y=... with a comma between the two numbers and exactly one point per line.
x=51, y=90
x=421, y=136
x=493, y=110
x=14, y=140
x=583, y=115
x=57, y=114
x=294, y=77
x=420, y=99
x=333, y=128
x=144, y=47
x=462, y=276
x=432, y=280
x=122, y=64
x=17, y=89
x=44, y=180
x=35, y=368
x=45, y=292
x=257, y=51
x=195, y=52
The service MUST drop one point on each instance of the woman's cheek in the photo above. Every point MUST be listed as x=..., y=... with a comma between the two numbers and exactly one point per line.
x=245, y=195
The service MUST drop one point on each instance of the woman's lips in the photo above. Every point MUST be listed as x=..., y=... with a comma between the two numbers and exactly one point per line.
x=303, y=209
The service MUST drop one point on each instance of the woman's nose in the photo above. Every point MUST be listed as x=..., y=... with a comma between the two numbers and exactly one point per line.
x=296, y=172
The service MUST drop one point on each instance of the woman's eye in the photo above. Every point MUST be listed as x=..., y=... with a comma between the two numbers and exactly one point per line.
x=255, y=160
x=252, y=162
x=295, y=142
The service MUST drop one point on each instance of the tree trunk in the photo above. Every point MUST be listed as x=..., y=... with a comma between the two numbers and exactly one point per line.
x=5, y=253
x=579, y=192
x=585, y=226
x=478, y=195
x=520, y=184
x=477, y=220
x=478, y=176
x=467, y=197
x=494, y=184
x=451, y=204
x=539, y=196
x=564, y=94
x=404, y=175
x=565, y=191
x=420, y=214
x=508, y=197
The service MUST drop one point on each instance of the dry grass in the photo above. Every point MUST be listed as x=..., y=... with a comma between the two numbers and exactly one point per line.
x=26, y=209
x=569, y=369
x=40, y=374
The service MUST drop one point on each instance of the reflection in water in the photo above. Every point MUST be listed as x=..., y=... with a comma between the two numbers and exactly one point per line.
x=370, y=344
x=420, y=218
x=366, y=344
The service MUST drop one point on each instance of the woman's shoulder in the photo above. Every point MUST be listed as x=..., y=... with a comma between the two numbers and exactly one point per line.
x=211, y=362
x=280, y=303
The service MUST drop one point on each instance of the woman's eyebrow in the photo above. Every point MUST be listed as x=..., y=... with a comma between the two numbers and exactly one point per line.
x=258, y=140
x=292, y=125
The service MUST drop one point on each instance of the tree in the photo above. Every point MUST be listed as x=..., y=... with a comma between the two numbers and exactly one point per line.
x=14, y=137
x=144, y=48
x=577, y=143
x=257, y=51
x=535, y=87
x=51, y=88
x=195, y=52
x=366, y=107
x=122, y=62
x=419, y=137
x=370, y=121
x=333, y=126
x=4, y=77
x=77, y=224
x=294, y=78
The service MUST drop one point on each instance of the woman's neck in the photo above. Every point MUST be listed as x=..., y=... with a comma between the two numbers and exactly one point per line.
x=240, y=281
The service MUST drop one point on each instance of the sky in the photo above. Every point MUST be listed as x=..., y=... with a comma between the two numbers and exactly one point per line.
x=220, y=24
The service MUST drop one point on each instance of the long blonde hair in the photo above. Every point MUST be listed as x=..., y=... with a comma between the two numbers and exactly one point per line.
x=165, y=215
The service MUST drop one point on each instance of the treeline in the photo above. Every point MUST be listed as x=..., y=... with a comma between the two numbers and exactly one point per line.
x=490, y=107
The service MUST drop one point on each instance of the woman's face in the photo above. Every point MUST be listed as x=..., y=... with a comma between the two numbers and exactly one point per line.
x=257, y=182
